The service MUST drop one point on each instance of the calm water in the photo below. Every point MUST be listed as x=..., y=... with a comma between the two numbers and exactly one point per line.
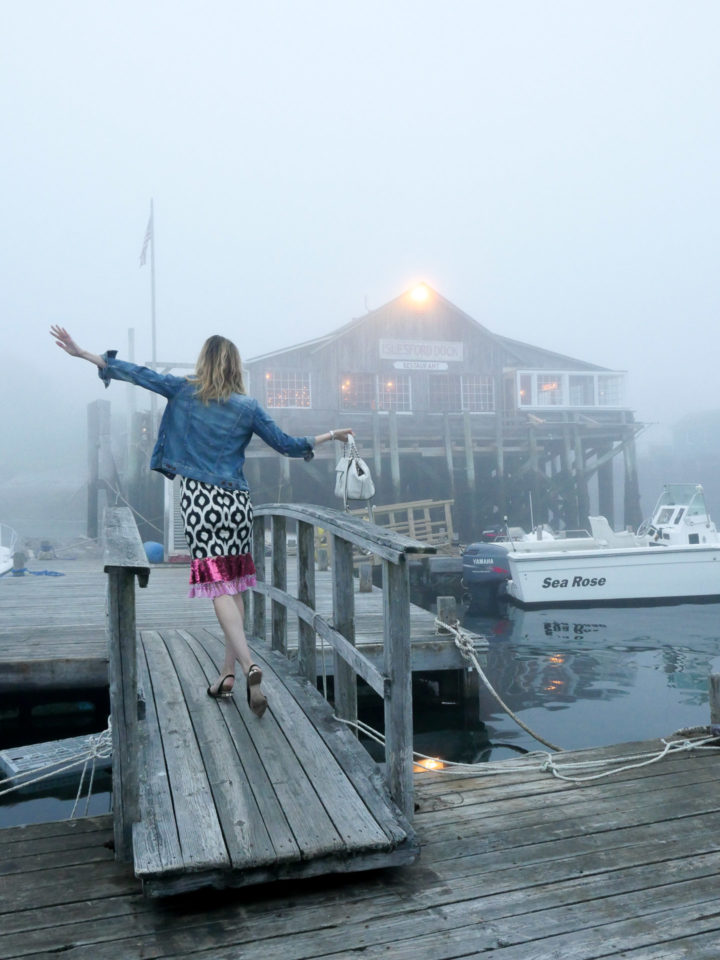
x=579, y=678
x=599, y=676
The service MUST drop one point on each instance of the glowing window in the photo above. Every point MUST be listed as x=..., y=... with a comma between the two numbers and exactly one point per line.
x=287, y=388
x=525, y=390
x=549, y=390
x=394, y=391
x=478, y=393
x=358, y=391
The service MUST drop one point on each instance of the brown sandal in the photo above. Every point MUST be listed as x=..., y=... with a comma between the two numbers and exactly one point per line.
x=257, y=701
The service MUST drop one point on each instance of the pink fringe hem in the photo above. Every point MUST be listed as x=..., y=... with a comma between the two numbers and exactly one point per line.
x=219, y=588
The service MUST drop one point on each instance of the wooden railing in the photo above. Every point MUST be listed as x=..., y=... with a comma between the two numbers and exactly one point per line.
x=123, y=559
x=394, y=683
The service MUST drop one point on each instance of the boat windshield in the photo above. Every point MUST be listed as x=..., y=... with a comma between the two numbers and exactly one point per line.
x=689, y=495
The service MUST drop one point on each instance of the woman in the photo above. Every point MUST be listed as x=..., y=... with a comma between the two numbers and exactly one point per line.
x=207, y=424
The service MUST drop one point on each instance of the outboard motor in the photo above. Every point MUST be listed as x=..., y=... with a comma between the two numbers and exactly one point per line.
x=485, y=570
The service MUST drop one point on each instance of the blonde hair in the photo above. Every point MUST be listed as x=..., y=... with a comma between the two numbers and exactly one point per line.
x=218, y=371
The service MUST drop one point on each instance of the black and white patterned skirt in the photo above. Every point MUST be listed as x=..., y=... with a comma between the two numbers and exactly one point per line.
x=218, y=529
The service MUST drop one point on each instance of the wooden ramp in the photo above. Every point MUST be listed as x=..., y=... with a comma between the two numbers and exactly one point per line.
x=227, y=799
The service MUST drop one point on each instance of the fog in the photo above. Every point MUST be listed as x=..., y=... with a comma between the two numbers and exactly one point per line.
x=551, y=168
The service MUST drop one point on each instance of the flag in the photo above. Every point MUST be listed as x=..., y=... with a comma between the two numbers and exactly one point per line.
x=147, y=240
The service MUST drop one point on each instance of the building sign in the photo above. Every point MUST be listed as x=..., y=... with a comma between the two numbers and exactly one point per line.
x=442, y=351
x=420, y=365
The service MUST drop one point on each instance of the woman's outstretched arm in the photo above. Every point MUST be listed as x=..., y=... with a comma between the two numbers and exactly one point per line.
x=342, y=435
x=66, y=343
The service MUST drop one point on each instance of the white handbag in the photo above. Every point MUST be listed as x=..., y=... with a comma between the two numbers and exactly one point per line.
x=352, y=475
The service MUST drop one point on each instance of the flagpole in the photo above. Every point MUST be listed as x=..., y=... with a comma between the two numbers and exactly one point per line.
x=153, y=396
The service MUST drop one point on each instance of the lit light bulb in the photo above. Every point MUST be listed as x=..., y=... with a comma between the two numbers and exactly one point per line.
x=420, y=293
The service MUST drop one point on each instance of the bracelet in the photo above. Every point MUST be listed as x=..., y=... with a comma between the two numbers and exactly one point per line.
x=332, y=434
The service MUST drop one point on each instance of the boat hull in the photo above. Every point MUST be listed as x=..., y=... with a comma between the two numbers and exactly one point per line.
x=653, y=575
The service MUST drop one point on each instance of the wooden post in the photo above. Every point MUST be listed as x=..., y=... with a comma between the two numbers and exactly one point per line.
x=398, y=696
x=500, y=464
x=258, y=601
x=98, y=424
x=632, y=512
x=394, y=453
x=279, y=579
x=285, y=483
x=469, y=453
x=344, y=622
x=124, y=559
x=449, y=452
x=365, y=578
x=307, y=659
x=581, y=480
x=377, y=446
x=606, y=493
x=715, y=703
x=447, y=612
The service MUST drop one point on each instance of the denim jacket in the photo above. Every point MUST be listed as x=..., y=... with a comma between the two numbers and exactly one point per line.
x=204, y=441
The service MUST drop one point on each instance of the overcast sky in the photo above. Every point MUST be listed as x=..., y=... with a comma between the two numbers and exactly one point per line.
x=550, y=167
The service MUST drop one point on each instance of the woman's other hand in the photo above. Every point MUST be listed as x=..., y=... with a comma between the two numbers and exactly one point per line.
x=65, y=341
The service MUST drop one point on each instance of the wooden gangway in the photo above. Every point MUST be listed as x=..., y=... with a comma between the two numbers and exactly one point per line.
x=205, y=794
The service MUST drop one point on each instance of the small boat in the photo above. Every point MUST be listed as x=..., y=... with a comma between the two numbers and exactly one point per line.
x=672, y=558
x=8, y=544
x=486, y=565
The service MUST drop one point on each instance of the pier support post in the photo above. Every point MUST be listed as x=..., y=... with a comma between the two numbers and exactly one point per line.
x=307, y=657
x=394, y=453
x=715, y=703
x=447, y=612
x=258, y=599
x=365, y=578
x=344, y=623
x=279, y=580
x=124, y=559
x=398, y=698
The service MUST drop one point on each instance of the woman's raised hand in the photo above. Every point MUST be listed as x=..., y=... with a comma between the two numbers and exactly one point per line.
x=65, y=341
x=342, y=434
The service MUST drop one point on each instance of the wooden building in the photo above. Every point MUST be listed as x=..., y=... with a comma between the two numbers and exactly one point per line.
x=442, y=407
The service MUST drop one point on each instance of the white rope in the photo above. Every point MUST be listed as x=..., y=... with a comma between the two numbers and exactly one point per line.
x=464, y=644
x=542, y=762
x=98, y=747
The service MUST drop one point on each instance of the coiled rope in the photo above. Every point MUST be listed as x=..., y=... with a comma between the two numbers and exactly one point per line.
x=542, y=762
x=99, y=747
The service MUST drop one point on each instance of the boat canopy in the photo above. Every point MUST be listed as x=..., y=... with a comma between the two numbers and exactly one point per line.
x=688, y=495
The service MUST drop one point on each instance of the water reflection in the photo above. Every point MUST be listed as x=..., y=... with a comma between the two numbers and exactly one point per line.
x=600, y=676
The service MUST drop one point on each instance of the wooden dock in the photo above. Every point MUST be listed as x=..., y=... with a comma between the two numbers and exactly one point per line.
x=52, y=629
x=521, y=866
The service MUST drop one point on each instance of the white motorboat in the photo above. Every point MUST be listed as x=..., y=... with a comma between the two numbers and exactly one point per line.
x=8, y=545
x=672, y=558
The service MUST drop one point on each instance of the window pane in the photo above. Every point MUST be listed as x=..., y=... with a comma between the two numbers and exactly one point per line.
x=582, y=390
x=394, y=392
x=444, y=392
x=549, y=390
x=357, y=391
x=287, y=388
x=525, y=390
x=609, y=391
x=478, y=393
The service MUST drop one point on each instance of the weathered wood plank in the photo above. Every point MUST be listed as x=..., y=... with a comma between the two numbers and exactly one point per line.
x=244, y=831
x=199, y=832
x=279, y=830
